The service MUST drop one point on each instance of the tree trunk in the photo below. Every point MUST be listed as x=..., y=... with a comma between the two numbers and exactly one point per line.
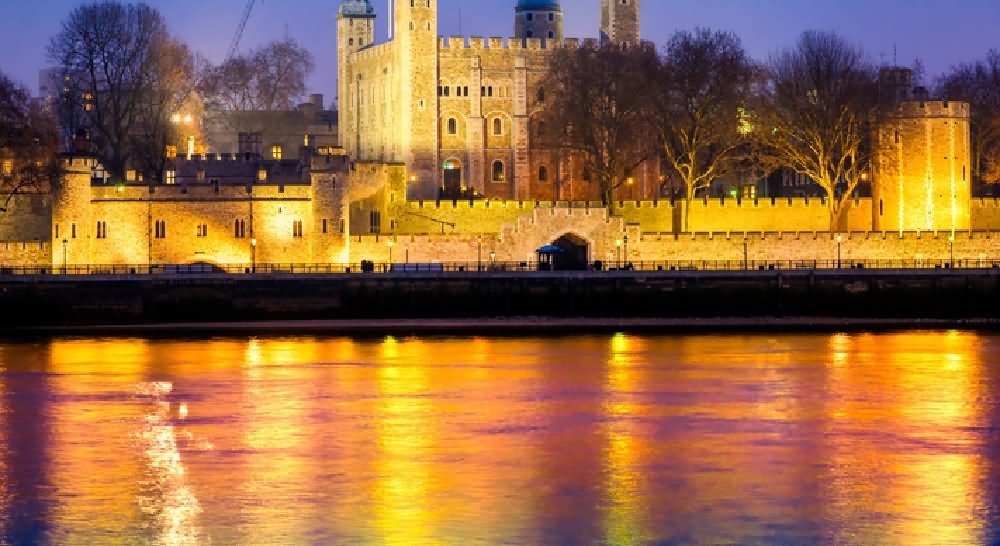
x=687, y=209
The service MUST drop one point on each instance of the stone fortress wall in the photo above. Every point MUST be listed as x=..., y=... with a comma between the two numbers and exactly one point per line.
x=356, y=204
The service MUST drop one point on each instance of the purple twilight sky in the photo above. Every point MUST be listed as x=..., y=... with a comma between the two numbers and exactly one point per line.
x=939, y=33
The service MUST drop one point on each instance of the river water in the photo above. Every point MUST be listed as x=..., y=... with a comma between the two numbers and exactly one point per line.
x=619, y=440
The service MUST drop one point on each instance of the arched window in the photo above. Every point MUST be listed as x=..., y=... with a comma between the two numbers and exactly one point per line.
x=497, y=126
x=499, y=174
x=543, y=173
x=452, y=126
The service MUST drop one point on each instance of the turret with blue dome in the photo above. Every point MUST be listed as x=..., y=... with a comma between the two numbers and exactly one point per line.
x=538, y=19
x=356, y=8
x=538, y=5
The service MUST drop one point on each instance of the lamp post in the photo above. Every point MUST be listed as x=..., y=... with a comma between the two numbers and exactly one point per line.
x=746, y=256
x=65, y=253
x=951, y=250
x=479, y=253
x=618, y=249
x=840, y=240
x=253, y=255
x=390, y=243
x=625, y=238
x=493, y=259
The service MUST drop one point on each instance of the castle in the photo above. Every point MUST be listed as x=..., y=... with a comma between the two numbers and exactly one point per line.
x=436, y=164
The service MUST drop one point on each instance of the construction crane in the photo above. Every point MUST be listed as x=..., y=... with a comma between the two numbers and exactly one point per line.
x=235, y=45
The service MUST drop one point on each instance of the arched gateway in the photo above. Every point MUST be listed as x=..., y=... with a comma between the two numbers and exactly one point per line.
x=575, y=253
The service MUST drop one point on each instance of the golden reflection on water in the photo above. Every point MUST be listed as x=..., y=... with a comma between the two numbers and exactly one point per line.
x=620, y=440
x=626, y=513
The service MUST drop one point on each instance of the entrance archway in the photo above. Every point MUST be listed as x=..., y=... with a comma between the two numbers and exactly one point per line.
x=451, y=187
x=575, y=253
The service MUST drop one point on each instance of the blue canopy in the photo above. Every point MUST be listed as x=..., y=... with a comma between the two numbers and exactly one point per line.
x=551, y=249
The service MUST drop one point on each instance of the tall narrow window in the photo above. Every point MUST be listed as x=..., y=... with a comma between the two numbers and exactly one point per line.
x=276, y=152
x=543, y=173
x=374, y=221
x=497, y=126
x=324, y=225
x=202, y=230
x=452, y=126
x=102, y=230
x=73, y=231
x=297, y=229
x=498, y=171
x=161, y=229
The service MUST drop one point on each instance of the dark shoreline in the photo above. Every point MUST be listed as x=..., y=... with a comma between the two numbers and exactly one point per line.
x=506, y=327
x=502, y=304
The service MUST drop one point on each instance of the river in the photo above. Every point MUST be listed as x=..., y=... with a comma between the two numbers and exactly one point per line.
x=619, y=440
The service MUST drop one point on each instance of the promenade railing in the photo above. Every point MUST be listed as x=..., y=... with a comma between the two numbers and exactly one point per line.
x=369, y=267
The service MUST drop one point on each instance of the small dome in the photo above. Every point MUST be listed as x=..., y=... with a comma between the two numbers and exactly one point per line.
x=356, y=8
x=538, y=5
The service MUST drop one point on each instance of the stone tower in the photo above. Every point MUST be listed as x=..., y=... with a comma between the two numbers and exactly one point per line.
x=355, y=30
x=620, y=22
x=538, y=19
x=71, y=218
x=416, y=77
x=921, y=178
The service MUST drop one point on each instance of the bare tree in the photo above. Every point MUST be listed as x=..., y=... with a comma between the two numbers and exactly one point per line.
x=979, y=84
x=700, y=100
x=270, y=78
x=29, y=141
x=817, y=114
x=123, y=73
x=599, y=110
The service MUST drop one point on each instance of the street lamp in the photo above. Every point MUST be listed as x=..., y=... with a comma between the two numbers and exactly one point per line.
x=951, y=250
x=390, y=243
x=626, y=250
x=253, y=255
x=493, y=259
x=479, y=253
x=65, y=246
x=618, y=246
x=840, y=240
x=746, y=255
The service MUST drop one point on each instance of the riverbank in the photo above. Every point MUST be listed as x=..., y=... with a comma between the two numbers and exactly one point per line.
x=569, y=301
x=518, y=326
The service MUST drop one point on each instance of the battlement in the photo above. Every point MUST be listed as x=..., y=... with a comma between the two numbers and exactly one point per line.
x=846, y=237
x=772, y=202
x=930, y=108
x=493, y=43
x=380, y=51
x=465, y=204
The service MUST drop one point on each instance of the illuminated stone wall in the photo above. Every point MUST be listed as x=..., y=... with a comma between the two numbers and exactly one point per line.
x=922, y=164
x=399, y=99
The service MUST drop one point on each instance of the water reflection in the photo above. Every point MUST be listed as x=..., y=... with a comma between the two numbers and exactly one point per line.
x=872, y=439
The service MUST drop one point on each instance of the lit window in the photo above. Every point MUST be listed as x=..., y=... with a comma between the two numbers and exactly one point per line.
x=262, y=175
x=499, y=175
x=7, y=168
x=276, y=152
x=171, y=177
x=130, y=175
x=171, y=151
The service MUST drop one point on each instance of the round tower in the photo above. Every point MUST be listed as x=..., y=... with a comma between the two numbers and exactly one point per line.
x=71, y=216
x=355, y=31
x=921, y=178
x=538, y=19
